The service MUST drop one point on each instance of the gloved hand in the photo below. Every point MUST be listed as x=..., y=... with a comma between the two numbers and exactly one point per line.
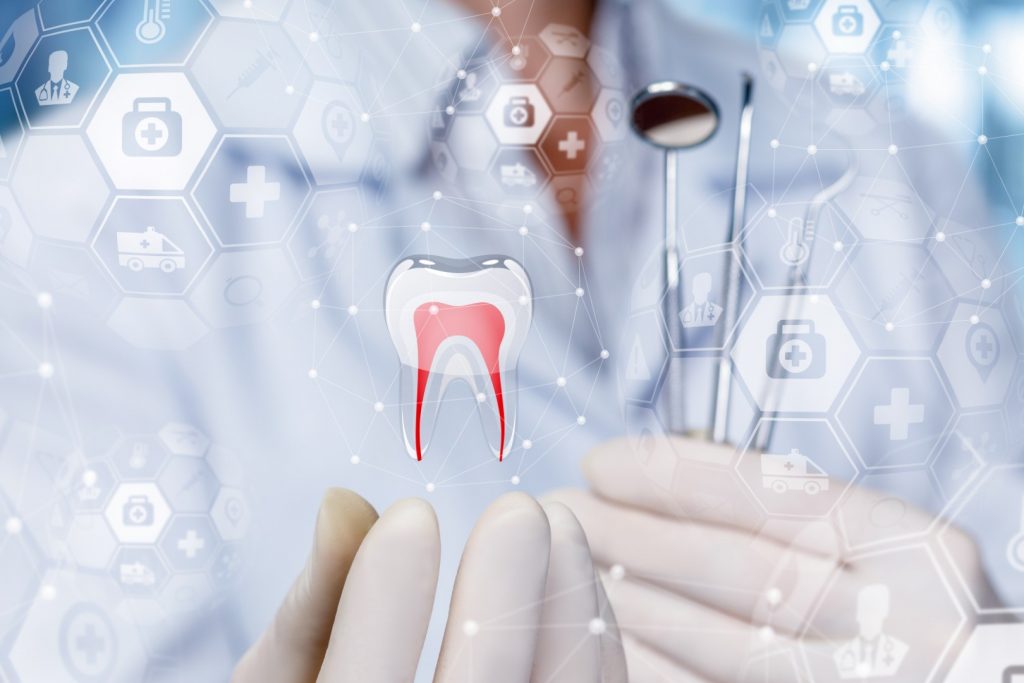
x=705, y=587
x=527, y=605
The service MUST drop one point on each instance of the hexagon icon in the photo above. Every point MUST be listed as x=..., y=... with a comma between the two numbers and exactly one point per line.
x=646, y=357
x=18, y=38
x=321, y=34
x=978, y=356
x=520, y=172
x=189, y=484
x=151, y=131
x=799, y=46
x=521, y=61
x=847, y=26
x=166, y=37
x=569, y=144
x=244, y=287
x=11, y=132
x=877, y=511
x=569, y=85
x=59, y=166
x=332, y=135
x=848, y=81
x=252, y=190
x=887, y=210
x=61, y=79
x=190, y=543
x=803, y=473
x=138, y=457
x=971, y=262
x=156, y=323
x=231, y=514
x=472, y=143
x=138, y=512
x=609, y=115
x=703, y=294
x=90, y=541
x=518, y=114
x=15, y=235
x=139, y=570
x=58, y=13
x=183, y=439
x=795, y=353
x=976, y=440
x=897, y=412
x=563, y=40
x=247, y=71
x=152, y=245
x=607, y=67
x=326, y=231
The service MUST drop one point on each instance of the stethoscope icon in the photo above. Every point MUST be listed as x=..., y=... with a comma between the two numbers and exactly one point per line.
x=1015, y=548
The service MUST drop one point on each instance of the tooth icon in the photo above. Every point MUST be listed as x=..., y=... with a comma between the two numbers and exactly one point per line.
x=458, y=319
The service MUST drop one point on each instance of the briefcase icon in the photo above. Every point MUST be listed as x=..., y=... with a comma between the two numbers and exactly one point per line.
x=151, y=129
x=795, y=351
x=847, y=21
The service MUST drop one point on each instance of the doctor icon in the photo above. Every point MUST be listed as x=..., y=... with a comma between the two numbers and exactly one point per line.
x=873, y=653
x=57, y=90
x=700, y=312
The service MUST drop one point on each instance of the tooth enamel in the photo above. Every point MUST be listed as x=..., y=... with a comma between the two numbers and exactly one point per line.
x=458, y=319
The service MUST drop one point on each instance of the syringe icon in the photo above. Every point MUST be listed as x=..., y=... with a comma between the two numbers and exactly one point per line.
x=153, y=28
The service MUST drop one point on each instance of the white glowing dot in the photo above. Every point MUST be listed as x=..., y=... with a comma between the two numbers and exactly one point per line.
x=982, y=139
x=772, y=212
x=523, y=231
x=864, y=669
x=578, y=251
x=425, y=226
x=893, y=150
x=437, y=194
x=430, y=487
x=986, y=48
x=495, y=11
x=527, y=444
x=812, y=67
x=433, y=309
x=837, y=246
x=516, y=50
x=597, y=626
x=450, y=110
x=515, y=480
x=982, y=70
x=773, y=596
x=940, y=236
x=1019, y=220
x=617, y=572
x=813, y=298
x=975, y=320
x=889, y=327
x=416, y=27
x=986, y=283
x=314, y=36
x=481, y=397
x=605, y=354
x=896, y=35
x=523, y=299
x=47, y=591
x=45, y=370
x=365, y=117
x=579, y=292
x=353, y=309
x=766, y=633
x=89, y=478
x=527, y=208
x=289, y=89
x=353, y=227
x=378, y=407
x=581, y=420
x=774, y=144
x=44, y=299
x=470, y=628
x=461, y=74
x=313, y=374
x=314, y=304
x=247, y=4
x=354, y=460
x=561, y=381
x=13, y=526
x=812, y=149
x=884, y=66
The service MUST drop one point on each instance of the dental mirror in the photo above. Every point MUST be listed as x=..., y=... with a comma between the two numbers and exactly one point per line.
x=672, y=116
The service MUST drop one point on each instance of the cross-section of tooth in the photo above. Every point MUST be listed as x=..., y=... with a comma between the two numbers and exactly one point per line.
x=458, y=319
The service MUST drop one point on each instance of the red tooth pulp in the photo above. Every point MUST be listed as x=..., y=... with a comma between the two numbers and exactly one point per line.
x=481, y=323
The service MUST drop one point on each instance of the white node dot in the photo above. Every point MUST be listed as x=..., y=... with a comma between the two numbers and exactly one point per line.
x=247, y=4
x=597, y=626
x=365, y=117
x=450, y=110
x=481, y=397
x=313, y=374
x=416, y=27
x=975, y=320
x=437, y=194
x=885, y=66
x=773, y=596
x=812, y=149
x=89, y=478
x=425, y=226
x=1019, y=220
x=289, y=89
x=774, y=144
x=579, y=292
x=772, y=213
x=461, y=74
x=581, y=420
x=13, y=526
x=433, y=309
x=896, y=35
x=578, y=251
x=515, y=480
x=893, y=150
x=982, y=70
x=378, y=407
x=353, y=227
x=561, y=381
x=617, y=572
x=44, y=299
x=940, y=236
x=353, y=309
x=47, y=591
x=430, y=487
x=889, y=327
x=314, y=36
x=986, y=283
x=354, y=460
x=45, y=370
x=523, y=231
x=766, y=634
x=314, y=304
x=814, y=298
x=812, y=67
x=982, y=139
x=605, y=354
x=986, y=48
x=527, y=208
x=523, y=299
x=470, y=628
x=495, y=11
x=527, y=444
x=837, y=246
x=516, y=50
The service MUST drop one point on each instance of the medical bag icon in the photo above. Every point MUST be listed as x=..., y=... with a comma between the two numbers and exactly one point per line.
x=138, y=511
x=518, y=112
x=151, y=129
x=847, y=21
x=795, y=351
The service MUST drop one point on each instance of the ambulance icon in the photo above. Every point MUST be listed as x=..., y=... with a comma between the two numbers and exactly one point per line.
x=148, y=249
x=792, y=472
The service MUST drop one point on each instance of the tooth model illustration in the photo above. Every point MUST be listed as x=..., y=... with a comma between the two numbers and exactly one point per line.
x=458, y=319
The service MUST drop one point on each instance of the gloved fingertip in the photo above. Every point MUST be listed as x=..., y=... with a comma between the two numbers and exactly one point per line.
x=343, y=521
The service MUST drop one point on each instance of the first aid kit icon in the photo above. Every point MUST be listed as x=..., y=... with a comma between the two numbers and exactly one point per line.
x=151, y=129
x=848, y=21
x=800, y=354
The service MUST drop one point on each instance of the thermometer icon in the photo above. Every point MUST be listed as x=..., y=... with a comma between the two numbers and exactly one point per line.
x=152, y=28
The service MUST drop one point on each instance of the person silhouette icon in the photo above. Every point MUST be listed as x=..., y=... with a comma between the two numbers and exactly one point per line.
x=57, y=90
x=701, y=312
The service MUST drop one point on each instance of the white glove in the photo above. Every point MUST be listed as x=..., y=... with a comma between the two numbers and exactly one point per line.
x=705, y=587
x=527, y=605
